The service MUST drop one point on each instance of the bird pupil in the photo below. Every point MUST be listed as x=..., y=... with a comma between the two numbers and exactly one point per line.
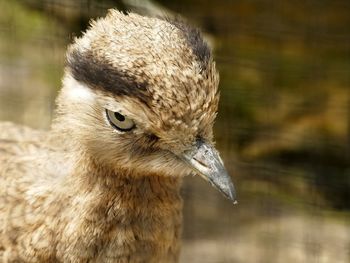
x=119, y=117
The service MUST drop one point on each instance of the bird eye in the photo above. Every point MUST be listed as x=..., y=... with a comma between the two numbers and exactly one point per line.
x=119, y=121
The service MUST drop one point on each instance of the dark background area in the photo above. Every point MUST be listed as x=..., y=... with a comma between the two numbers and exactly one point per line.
x=283, y=126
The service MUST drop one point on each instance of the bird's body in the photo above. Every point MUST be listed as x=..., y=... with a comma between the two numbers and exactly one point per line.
x=134, y=115
x=38, y=209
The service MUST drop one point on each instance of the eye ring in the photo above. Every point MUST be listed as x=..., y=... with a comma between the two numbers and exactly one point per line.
x=119, y=121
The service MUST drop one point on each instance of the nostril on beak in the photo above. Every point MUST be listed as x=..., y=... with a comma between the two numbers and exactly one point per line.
x=201, y=162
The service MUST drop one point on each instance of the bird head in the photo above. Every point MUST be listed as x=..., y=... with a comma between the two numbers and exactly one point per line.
x=140, y=95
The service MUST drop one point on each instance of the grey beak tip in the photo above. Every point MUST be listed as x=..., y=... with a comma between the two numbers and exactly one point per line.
x=224, y=184
x=234, y=201
x=231, y=196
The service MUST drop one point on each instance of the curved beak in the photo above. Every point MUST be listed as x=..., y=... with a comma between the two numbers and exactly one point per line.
x=206, y=161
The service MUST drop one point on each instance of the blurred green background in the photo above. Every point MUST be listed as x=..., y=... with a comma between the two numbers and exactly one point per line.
x=283, y=126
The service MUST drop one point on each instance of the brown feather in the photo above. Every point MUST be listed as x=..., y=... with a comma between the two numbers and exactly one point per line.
x=84, y=192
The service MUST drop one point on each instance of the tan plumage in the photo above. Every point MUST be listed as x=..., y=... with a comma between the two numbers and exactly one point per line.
x=89, y=191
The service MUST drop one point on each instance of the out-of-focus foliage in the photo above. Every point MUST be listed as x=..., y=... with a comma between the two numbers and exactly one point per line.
x=31, y=60
x=285, y=75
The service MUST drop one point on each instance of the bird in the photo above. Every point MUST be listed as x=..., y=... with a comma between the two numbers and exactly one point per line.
x=133, y=117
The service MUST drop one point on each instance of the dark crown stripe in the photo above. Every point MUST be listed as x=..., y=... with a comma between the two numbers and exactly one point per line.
x=102, y=75
x=194, y=40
